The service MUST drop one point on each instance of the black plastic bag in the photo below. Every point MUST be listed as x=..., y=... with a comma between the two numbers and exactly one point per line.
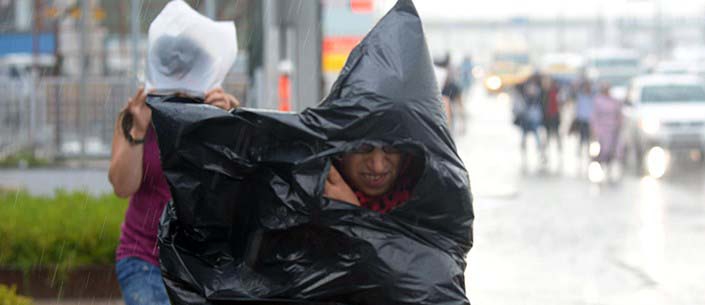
x=248, y=224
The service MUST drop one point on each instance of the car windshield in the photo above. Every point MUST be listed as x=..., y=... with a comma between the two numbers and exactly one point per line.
x=666, y=93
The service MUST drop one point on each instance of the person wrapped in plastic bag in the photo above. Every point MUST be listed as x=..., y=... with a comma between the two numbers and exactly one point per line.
x=250, y=224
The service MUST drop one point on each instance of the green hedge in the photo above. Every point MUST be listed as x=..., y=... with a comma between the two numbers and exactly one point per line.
x=8, y=296
x=63, y=231
x=23, y=157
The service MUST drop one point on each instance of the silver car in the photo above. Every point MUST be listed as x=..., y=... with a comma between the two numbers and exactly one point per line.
x=666, y=112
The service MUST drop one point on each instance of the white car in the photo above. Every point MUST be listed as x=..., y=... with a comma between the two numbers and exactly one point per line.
x=665, y=112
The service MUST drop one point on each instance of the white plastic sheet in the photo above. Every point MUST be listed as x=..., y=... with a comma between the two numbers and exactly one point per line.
x=188, y=52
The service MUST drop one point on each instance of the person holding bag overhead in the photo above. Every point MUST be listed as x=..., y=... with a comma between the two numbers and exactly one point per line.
x=175, y=61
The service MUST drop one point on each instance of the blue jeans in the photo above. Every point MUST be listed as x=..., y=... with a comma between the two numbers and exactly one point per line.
x=140, y=282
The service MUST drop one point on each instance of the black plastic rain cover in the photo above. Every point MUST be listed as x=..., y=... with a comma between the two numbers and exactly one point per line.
x=248, y=224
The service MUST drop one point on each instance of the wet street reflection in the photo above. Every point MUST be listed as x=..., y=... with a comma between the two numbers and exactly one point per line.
x=562, y=233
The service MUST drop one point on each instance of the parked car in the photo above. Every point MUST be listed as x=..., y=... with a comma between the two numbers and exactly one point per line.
x=665, y=112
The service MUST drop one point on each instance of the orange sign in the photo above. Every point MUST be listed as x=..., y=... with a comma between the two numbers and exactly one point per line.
x=361, y=6
x=336, y=51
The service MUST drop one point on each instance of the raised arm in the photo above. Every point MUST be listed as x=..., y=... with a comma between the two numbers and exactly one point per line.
x=125, y=172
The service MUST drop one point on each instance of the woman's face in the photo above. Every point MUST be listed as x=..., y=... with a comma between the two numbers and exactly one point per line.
x=372, y=172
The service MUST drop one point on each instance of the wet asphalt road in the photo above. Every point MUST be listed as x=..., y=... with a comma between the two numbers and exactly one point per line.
x=546, y=235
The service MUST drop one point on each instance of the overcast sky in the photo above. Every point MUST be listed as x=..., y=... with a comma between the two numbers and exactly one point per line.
x=502, y=9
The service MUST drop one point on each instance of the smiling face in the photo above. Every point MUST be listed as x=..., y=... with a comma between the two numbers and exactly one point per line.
x=373, y=173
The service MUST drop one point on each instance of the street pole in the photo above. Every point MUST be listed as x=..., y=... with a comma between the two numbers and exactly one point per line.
x=57, y=90
x=560, y=35
x=135, y=29
x=271, y=56
x=601, y=26
x=34, y=73
x=210, y=9
x=658, y=30
x=83, y=101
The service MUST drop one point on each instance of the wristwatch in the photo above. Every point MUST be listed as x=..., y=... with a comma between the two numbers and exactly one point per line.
x=127, y=126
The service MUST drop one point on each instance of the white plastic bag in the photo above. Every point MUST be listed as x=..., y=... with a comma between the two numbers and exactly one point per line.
x=188, y=52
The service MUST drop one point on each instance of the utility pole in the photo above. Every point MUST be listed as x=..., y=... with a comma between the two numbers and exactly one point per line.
x=83, y=65
x=560, y=35
x=271, y=56
x=658, y=29
x=292, y=39
x=135, y=29
x=122, y=9
x=210, y=9
x=600, y=26
x=34, y=73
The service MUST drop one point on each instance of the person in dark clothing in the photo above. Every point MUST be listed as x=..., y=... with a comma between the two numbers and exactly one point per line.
x=528, y=115
x=552, y=113
x=584, y=100
x=454, y=93
x=530, y=118
x=466, y=76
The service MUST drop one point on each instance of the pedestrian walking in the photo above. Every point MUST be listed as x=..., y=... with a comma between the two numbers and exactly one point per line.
x=606, y=125
x=584, y=100
x=528, y=116
x=466, y=76
x=552, y=105
x=454, y=94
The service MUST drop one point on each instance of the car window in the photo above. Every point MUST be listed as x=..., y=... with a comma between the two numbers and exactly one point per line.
x=670, y=93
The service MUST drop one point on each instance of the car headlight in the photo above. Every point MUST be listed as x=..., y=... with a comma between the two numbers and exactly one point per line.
x=650, y=125
x=493, y=82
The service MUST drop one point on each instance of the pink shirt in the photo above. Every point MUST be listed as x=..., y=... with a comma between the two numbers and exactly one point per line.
x=138, y=237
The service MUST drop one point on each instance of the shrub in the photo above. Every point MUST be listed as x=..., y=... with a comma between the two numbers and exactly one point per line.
x=63, y=231
x=8, y=296
x=23, y=159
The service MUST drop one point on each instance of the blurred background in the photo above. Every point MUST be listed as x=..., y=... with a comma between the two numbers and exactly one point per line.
x=581, y=124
